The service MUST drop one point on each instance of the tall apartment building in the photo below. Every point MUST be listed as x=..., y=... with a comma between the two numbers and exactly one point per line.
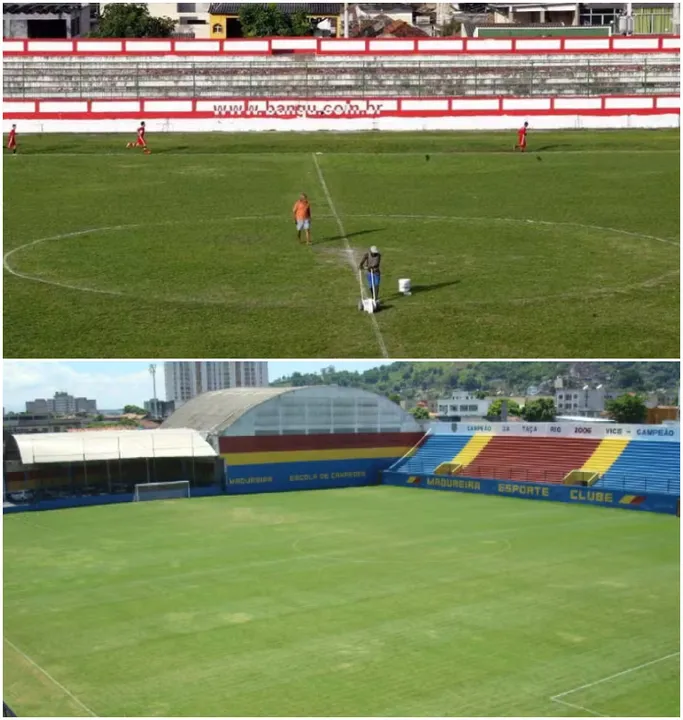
x=159, y=408
x=61, y=404
x=185, y=380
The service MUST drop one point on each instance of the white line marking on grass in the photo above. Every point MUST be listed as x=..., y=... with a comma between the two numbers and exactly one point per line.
x=556, y=698
x=56, y=283
x=579, y=707
x=347, y=248
x=619, y=674
x=643, y=236
x=600, y=291
x=119, y=293
x=49, y=677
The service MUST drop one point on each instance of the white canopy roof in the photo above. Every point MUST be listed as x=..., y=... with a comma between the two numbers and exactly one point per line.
x=111, y=445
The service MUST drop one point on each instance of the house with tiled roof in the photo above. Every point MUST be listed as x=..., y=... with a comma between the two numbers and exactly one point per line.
x=47, y=20
x=225, y=23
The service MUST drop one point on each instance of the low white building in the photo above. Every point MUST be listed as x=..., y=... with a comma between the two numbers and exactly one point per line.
x=462, y=404
x=586, y=402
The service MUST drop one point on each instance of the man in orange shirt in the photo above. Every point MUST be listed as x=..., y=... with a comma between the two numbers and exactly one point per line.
x=302, y=217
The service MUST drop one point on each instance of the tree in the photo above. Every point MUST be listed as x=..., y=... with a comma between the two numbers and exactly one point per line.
x=452, y=27
x=132, y=20
x=496, y=409
x=420, y=413
x=541, y=410
x=395, y=398
x=631, y=379
x=627, y=409
x=269, y=20
x=469, y=380
x=133, y=410
x=127, y=422
x=300, y=24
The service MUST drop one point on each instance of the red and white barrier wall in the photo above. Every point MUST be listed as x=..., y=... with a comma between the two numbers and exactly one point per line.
x=306, y=114
x=340, y=46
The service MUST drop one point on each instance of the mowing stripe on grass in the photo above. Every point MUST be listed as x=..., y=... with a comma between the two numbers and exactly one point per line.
x=47, y=675
x=347, y=248
x=162, y=153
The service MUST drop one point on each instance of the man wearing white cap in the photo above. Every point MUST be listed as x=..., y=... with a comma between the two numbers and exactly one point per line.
x=371, y=262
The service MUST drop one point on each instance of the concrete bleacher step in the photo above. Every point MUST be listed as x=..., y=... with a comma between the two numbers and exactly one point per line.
x=496, y=74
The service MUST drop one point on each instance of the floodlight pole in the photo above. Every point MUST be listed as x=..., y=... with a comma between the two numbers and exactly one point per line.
x=153, y=373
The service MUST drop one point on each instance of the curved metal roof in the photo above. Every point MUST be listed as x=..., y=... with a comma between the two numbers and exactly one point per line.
x=212, y=412
x=36, y=448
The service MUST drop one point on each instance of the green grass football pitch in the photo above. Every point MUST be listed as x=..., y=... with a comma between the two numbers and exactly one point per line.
x=372, y=601
x=569, y=251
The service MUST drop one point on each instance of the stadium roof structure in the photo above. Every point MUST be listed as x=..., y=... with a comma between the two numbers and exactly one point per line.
x=212, y=412
x=308, y=8
x=40, y=448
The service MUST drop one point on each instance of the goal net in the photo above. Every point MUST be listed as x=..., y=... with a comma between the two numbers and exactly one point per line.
x=162, y=490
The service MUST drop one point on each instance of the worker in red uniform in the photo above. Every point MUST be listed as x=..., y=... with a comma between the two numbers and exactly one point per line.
x=12, y=139
x=140, y=142
x=521, y=138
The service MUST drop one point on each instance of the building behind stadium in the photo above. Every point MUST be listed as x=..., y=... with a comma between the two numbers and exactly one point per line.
x=234, y=440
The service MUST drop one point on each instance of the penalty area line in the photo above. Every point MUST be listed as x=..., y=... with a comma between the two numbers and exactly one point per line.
x=579, y=707
x=49, y=677
x=557, y=698
x=347, y=248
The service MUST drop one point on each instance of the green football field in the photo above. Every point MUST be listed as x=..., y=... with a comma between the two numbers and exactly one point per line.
x=375, y=601
x=571, y=250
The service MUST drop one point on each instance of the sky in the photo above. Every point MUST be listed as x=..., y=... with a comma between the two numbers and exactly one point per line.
x=117, y=383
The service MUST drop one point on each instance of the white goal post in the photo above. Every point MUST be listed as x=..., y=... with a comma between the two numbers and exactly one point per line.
x=162, y=490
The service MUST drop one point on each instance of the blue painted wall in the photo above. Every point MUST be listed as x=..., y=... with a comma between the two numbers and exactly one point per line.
x=90, y=500
x=312, y=475
x=604, y=497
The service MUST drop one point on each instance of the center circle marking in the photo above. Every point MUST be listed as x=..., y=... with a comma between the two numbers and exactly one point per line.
x=424, y=218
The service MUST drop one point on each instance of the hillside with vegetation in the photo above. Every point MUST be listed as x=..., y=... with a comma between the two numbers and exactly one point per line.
x=431, y=380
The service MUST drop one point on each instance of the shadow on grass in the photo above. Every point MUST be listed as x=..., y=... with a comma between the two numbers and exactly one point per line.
x=349, y=235
x=544, y=148
x=434, y=286
x=416, y=289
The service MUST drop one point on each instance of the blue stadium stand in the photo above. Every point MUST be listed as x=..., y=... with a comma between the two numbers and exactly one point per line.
x=435, y=450
x=646, y=466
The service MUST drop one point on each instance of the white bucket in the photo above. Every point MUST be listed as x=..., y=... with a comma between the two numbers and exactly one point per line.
x=404, y=286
